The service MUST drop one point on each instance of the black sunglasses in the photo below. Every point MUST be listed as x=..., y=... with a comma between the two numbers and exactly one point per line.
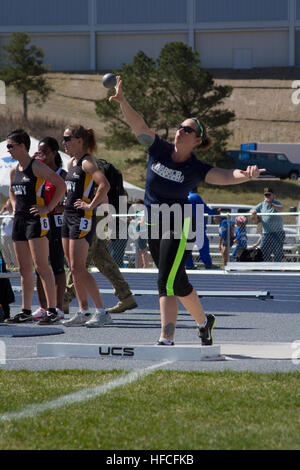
x=11, y=146
x=67, y=138
x=267, y=194
x=187, y=129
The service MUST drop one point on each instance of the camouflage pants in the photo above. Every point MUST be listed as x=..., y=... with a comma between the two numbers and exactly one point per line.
x=99, y=254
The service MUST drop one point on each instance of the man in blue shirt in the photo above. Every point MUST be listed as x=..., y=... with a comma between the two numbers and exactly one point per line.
x=195, y=199
x=272, y=226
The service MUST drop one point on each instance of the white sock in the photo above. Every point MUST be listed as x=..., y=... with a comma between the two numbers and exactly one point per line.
x=100, y=310
x=203, y=324
x=84, y=312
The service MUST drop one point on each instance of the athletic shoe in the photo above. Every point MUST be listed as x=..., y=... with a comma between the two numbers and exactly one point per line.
x=99, y=319
x=39, y=313
x=126, y=304
x=165, y=342
x=205, y=333
x=19, y=318
x=49, y=318
x=79, y=319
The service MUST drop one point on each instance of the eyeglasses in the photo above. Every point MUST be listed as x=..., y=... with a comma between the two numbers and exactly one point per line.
x=267, y=194
x=67, y=138
x=11, y=146
x=187, y=129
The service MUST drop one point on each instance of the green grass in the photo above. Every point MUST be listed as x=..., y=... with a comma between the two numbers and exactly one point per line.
x=164, y=410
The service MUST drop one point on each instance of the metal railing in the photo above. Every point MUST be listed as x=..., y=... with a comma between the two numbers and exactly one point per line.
x=275, y=248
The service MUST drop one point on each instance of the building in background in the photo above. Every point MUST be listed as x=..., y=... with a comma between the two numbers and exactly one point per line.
x=99, y=35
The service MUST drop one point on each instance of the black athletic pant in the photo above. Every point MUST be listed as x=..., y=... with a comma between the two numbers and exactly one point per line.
x=170, y=254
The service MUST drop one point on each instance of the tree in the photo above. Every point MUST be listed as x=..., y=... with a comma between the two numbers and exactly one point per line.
x=166, y=92
x=24, y=70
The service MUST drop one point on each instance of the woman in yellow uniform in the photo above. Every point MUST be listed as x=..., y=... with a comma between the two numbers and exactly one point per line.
x=31, y=223
x=87, y=188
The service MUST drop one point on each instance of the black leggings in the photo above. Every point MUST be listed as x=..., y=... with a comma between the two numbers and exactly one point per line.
x=170, y=255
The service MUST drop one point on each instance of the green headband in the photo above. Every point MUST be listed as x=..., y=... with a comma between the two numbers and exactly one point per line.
x=200, y=126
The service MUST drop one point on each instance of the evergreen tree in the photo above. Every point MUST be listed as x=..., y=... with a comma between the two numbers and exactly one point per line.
x=22, y=67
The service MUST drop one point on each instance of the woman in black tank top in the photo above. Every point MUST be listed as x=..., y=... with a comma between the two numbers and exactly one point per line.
x=48, y=153
x=78, y=229
x=31, y=222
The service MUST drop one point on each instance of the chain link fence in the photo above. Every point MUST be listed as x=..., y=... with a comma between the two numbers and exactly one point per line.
x=264, y=237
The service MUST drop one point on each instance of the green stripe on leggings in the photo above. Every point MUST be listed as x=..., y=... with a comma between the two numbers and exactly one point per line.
x=179, y=256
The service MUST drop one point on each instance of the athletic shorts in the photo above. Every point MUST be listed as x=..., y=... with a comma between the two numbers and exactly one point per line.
x=25, y=228
x=76, y=227
x=56, y=252
x=141, y=243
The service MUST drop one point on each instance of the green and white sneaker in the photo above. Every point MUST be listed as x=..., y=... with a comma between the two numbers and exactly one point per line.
x=79, y=319
x=99, y=319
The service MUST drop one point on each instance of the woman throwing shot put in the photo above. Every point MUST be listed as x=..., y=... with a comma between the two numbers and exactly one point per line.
x=31, y=223
x=173, y=170
x=87, y=188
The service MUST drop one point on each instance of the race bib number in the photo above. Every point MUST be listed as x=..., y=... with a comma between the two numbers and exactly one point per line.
x=45, y=223
x=85, y=224
x=58, y=219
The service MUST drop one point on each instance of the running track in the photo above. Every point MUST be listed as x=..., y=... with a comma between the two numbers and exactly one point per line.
x=244, y=321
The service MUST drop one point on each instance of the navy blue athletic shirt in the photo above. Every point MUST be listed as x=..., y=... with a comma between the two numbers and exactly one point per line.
x=167, y=181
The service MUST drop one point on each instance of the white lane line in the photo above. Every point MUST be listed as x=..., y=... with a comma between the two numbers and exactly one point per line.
x=81, y=396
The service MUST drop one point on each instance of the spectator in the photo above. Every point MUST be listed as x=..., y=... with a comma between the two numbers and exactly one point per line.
x=6, y=235
x=272, y=226
x=204, y=253
x=141, y=244
x=223, y=236
x=240, y=234
x=119, y=239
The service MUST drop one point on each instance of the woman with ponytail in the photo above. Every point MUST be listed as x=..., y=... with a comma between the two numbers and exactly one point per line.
x=87, y=188
x=48, y=153
x=173, y=170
